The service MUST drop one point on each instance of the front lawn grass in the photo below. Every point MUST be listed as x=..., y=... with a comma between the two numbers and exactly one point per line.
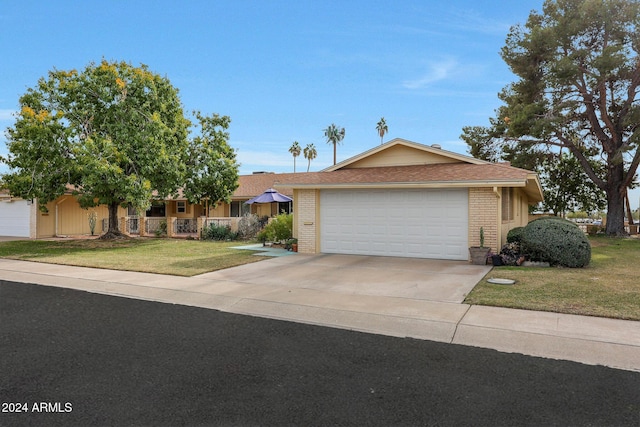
x=164, y=256
x=608, y=287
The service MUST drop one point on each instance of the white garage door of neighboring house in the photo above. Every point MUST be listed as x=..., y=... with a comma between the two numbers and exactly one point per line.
x=418, y=223
x=14, y=218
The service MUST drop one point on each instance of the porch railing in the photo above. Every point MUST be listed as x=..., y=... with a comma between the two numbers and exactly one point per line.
x=133, y=224
x=217, y=221
x=156, y=225
x=186, y=226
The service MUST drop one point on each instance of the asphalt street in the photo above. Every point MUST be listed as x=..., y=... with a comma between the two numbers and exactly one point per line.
x=71, y=358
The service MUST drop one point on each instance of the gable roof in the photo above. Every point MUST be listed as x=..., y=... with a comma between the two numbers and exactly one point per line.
x=401, y=152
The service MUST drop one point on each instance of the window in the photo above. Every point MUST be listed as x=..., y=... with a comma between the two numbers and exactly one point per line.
x=507, y=209
x=284, y=207
x=239, y=209
x=181, y=207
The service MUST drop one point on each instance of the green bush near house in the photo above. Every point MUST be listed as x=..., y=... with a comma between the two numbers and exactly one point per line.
x=279, y=229
x=556, y=241
x=515, y=235
x=218, y=232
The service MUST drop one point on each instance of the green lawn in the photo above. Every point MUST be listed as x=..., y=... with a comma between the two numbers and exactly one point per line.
x=608, y=287
x=165, y=256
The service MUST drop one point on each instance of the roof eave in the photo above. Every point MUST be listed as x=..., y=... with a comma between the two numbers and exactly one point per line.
x=417, y=184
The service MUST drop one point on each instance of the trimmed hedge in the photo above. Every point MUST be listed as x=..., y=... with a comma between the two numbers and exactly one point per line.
x=556, y=241
x=515, y=235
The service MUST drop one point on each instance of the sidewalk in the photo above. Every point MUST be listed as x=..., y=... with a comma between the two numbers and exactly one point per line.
x=590, y=340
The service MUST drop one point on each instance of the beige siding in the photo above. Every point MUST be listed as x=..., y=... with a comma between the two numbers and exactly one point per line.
x=45, y=222
x=221, y=210
x=400, y=155
x=306, y=228
x=484, y=211
x=519, y=217
x=73, y=220
x=192, y=211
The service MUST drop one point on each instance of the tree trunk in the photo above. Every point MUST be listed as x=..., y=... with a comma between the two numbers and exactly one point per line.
x=615, y=201
x=113, y=232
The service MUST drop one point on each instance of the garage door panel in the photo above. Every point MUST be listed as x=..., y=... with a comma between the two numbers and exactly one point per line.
x=424, y=223
x=14, y=218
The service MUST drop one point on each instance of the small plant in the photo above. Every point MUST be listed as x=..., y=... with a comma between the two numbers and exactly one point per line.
x=93, y=219
x=162, y=229
x=248, y=226
x=479, y=254
x=218, y=232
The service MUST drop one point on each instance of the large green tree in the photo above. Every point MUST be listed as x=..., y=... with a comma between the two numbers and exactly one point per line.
x=212, y=172
x=579, y=73
x=112, y=133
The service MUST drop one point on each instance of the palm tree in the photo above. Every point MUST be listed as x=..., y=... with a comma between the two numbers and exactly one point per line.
x=382, y=128
x=310, y=153
x=295, y=150
x=334, y=135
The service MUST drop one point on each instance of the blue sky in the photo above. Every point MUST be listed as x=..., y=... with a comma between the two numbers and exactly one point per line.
x=285, y=70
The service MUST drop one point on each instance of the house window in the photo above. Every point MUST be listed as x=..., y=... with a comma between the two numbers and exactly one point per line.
x=181, y=207
x=239, y=209
x=507, y=209
x=284, y=207
x=157, y=209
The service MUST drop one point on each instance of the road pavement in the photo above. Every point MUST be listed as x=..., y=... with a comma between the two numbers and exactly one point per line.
x=74, y=358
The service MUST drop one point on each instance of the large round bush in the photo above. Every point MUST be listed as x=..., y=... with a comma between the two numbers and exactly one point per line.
x=556, y=241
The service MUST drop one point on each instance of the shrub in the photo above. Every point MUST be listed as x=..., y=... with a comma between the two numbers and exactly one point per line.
x=218, y=232
x=279, y=229
x=510, y=253
x=248, y=226
x=556, y=241
x=515, y=235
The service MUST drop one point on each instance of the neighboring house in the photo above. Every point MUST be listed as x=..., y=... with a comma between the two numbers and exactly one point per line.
x=409, y=200
x=65, y=217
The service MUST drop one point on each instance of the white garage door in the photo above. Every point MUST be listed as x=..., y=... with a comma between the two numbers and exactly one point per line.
x=14, y=218
x=418, y=223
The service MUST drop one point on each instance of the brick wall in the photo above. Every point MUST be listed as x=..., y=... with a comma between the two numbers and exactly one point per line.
x=307, y=221
x=483, y=212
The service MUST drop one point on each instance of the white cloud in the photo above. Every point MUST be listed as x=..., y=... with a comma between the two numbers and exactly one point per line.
x=437, y=71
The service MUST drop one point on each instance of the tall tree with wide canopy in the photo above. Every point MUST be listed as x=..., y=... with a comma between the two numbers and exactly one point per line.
x=295, y=150
x=382, y=128
x=212, y=172
x=579, y=73
x=113, y=133
x=334, y=135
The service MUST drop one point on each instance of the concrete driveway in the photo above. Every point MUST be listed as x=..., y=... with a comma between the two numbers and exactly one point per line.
x=11, y=238
x=412, y=278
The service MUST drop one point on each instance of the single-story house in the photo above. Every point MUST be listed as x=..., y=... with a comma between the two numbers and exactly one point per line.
x=400, y=198
x=409, y=200
x=65, y=217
